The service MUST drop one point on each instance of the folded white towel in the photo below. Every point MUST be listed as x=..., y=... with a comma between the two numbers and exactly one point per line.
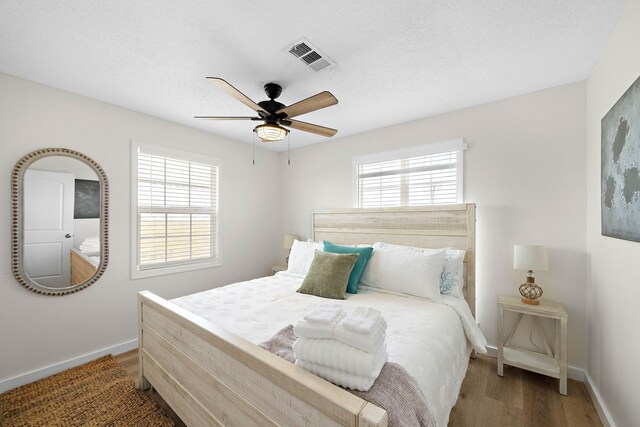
x=366, y=342
x=90, y=244
x=363, y=320
x=344, y=379
x=340, y=356
x=325, y=313
x=90, y=253
x=307, y=329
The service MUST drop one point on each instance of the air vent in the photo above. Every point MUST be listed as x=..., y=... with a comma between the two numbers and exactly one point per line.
x=299, y=50
x=310, y=55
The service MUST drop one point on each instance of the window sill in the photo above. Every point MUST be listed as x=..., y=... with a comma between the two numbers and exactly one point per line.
x=162, y=271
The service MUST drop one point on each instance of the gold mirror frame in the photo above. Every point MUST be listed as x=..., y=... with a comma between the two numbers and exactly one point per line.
x=17, y=219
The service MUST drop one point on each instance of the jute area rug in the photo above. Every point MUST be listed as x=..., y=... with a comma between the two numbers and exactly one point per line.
x=99, y=393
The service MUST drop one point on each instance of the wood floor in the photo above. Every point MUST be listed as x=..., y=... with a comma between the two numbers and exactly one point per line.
x=520, y=398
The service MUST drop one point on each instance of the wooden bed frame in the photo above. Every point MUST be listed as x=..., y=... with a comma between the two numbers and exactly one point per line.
x=82, y=269
x=210, y=376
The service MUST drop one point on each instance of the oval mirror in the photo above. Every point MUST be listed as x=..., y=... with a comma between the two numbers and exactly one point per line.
x=59, y=221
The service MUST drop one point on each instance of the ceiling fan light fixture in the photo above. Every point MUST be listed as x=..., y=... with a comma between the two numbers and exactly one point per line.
x=269, y=132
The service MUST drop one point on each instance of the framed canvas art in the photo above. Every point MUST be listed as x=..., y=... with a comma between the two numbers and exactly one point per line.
x=87, y=199
x=620, y=169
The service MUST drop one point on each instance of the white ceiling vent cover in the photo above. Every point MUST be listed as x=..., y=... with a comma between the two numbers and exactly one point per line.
x=310, y=55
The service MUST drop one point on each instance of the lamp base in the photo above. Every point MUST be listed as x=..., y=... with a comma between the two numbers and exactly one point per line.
x=530, y=291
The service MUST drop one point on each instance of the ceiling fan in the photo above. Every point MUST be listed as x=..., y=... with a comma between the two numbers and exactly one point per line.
x=275, y=114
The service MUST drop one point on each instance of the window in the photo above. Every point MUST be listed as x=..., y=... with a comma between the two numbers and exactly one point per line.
x=176, y=215
x=425, y=175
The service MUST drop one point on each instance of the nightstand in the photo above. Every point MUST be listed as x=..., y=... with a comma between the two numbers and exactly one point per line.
x=277, y=268
x=548, y=363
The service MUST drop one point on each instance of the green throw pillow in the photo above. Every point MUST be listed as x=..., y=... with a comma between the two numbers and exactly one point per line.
x=363, y=257
x=328, y=275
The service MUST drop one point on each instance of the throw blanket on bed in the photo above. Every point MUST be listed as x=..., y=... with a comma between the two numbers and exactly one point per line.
x=394, y=390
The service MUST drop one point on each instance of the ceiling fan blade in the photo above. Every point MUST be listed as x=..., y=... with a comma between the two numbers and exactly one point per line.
x=225, y=86
x=226, y=118
x=316, y=102
x=309, y=127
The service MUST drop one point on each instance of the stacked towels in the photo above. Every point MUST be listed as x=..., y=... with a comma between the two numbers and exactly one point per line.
x=90, y=245
x=348, y=350
x=320, y=322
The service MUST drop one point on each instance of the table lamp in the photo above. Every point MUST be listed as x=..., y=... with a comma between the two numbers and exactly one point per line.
x=288, y=243
x=530, y=257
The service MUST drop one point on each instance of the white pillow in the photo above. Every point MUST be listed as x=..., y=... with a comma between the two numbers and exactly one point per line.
x=301, y=256
x=406, y=270
x=452, y=276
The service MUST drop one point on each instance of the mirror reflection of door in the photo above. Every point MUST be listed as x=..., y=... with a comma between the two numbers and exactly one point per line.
x=48, y=227
x=61, y=222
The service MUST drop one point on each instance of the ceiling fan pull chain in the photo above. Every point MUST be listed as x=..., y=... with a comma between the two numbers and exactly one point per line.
x=289, y=147
x=253, y=154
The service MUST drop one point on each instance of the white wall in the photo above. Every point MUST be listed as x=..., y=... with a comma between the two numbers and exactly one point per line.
x=525, y=170
x=37, y=331
x=613, y=291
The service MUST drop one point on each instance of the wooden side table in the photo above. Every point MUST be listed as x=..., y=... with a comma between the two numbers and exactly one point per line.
x=277, y=268
x=548, y=363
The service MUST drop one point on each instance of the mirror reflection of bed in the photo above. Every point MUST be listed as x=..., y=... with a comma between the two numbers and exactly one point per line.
x=61, y=222
x=83, y=266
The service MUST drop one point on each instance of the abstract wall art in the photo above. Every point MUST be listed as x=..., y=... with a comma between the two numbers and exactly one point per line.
x=87, y=199
x=620, y=177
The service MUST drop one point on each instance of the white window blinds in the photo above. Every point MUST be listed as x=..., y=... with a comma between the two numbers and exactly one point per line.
x=410, y=181
x=177, y=209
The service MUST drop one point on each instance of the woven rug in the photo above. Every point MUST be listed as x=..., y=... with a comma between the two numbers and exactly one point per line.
x=99, y=393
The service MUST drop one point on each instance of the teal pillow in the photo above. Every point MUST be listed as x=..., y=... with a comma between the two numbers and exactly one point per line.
x=328, y=275
x=363, y=256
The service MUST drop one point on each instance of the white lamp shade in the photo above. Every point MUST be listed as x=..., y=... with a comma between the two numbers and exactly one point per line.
x=288, y=240
x=530, y=257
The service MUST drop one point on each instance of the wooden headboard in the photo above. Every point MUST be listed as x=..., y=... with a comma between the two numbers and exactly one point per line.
x=442, y=226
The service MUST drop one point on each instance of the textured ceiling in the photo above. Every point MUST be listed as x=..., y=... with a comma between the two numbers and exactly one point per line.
x=396, y=61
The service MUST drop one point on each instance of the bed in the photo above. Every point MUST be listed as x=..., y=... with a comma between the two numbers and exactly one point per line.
x=83, y=267
x=211, y=376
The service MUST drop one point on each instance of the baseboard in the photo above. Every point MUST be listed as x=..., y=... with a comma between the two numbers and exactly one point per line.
x=581, y=375
x=603, y=412
x=17, y=381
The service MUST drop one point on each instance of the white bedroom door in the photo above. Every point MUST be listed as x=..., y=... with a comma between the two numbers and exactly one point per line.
x=48, y=227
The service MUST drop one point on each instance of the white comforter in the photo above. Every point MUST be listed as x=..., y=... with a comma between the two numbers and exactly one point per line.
x=426, y=338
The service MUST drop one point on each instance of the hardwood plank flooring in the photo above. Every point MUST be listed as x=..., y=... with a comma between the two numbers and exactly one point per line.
x=520, y=398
